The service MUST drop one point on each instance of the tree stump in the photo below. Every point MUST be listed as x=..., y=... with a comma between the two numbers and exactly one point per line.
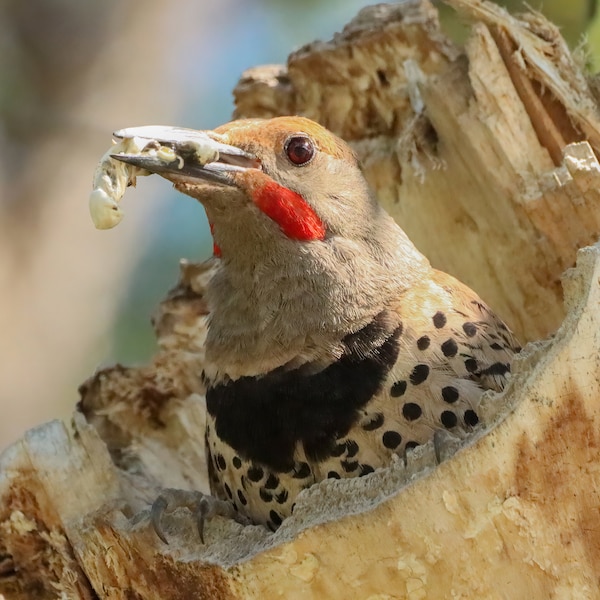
x=487, y=156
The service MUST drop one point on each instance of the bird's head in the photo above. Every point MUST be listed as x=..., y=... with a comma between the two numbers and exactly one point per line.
x=292, y=217
x=286, y=178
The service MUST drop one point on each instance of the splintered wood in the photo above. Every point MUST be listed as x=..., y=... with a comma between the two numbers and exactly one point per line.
x=487, y=156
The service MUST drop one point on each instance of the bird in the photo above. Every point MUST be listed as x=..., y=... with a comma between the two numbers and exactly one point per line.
x=332, y=342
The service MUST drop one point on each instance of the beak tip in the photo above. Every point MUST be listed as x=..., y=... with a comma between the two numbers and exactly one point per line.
x=126, y=158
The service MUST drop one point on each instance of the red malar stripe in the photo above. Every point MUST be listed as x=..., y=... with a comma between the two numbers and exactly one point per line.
x=290, y=211
x=216, y=249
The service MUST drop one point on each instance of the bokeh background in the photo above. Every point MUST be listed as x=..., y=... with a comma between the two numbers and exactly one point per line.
x=73, y=299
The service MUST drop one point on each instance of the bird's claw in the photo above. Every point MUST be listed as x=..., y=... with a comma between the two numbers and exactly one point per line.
x=445, y=444
x=202, y=507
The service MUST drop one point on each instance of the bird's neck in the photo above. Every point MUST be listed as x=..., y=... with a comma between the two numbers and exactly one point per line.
x=293, y=304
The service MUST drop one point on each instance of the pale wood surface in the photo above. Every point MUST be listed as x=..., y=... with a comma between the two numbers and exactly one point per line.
x=476, y=160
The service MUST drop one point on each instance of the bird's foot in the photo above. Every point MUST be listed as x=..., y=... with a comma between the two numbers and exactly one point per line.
x=445, y=444
x=202, y=507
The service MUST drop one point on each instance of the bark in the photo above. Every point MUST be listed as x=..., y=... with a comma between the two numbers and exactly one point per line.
x=487, y=156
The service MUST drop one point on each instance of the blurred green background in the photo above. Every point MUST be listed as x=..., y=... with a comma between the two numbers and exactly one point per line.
x=73, y=71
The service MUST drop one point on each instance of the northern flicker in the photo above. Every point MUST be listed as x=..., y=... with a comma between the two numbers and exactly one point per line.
x=332, y=343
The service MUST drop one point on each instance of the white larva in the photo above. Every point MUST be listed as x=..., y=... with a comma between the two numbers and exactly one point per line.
x=111, y=179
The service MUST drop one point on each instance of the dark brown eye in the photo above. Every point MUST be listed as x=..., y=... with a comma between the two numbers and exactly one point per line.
x=299, y=149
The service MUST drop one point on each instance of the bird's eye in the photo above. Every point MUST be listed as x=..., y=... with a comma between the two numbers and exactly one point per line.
x=299, y=149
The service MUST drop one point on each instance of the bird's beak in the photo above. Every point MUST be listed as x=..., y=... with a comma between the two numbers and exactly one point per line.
x=185, y=155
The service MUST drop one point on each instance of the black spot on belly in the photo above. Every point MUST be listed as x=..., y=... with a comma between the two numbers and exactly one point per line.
x=365, y=470
x=272, y=482
x=375, y=421
x=282, y=497
x=349, y=465
x=419, y=374
x=301, y=470
x=411, y=411
x=391, y=439
x=471, y=417
x=338, y=450
x=449, y=348
x=275, y=518
x=255, y=473
x=439, y=319
x=448, y=419
x=423, y=342
x=496, y=369
x=450, y=394
x=352, y=448
x=470, y=329
x=471, y=365
x=265, y=496
x=263, y=418
x=398, y=389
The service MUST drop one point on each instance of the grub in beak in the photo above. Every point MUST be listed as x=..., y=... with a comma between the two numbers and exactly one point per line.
x=178, y=154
